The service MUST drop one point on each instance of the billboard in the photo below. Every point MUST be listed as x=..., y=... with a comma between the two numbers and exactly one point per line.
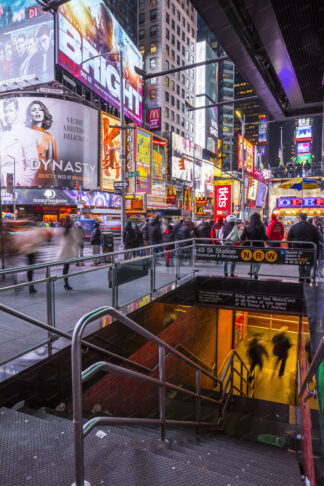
x=110, y=169
x=302, y=159
x=300, y=202
x=154, y=118
x=303, y=147
x=304, y=122
x=263, y=129
x=206, y=179
x=249, y=154
x=262, y=195
x=143, y=161
x=206, y=121
x=26, y=45
x=223, y=200
x=158, y=169
x=87, y=31
x=304, y=133
x=48, y=142
x=182, y=147
x=253, y=189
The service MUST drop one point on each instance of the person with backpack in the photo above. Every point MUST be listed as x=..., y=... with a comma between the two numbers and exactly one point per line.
x=216, y=229
x=129, y=239
x=255, y=231
x=281, y=345
x=155, y=234
x=167, y=237
x=228, y=236
x=275, y=231
x=95, y=241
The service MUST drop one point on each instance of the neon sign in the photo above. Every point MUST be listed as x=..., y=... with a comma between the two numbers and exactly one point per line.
x=302, y=202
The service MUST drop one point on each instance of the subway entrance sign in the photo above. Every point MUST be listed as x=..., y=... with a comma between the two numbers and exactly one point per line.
x=255, y=255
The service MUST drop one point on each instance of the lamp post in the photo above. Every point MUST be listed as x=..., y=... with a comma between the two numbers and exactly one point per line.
x=242, y=120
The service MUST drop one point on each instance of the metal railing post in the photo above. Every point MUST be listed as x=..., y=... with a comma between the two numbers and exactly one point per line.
x=162, y=390
x=153, y=274
x=241, y=380
x=194, y=259
x=50, y=305
x=198, y=385
x=114, y=287
x=177, y=255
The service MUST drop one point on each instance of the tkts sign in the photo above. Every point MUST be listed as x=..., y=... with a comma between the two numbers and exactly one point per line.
x=300, y=202
x=223, y=200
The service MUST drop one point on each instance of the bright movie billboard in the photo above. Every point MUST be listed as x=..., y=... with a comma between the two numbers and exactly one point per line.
x=158, y=168
x=110, y=152
x=143, y=160
x=26, y=44
x=87, y=31
x=48, y=142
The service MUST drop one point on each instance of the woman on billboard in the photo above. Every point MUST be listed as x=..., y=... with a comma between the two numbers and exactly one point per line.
x=39, y=118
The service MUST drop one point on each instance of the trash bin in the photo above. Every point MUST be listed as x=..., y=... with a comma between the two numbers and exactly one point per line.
x=107, y=245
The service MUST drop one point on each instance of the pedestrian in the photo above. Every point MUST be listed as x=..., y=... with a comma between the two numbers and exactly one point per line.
x=80, y=236
x=138, y=240
x=145, y=233
x=129, y=239
x=95, y=241
x=256, y=352
x=68, y=248
x=203, y=231
x=168, y=237
x=318, y=223
x=281, y=345
x=275, y=231
x=155, y=233
x=176, y=228
x=255, y=235
x=216, y=229
x=306, y=232
x=228, y=235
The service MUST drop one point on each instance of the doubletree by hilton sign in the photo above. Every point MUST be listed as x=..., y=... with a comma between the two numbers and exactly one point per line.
x=302, y=202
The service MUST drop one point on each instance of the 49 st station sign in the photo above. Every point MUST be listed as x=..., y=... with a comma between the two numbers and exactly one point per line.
x=255, y=255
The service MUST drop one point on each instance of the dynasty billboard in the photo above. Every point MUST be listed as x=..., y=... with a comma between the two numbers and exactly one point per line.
x=26, y=44
x=48, y=142
x=89, y=41
x=110, y=152
x=159, y=167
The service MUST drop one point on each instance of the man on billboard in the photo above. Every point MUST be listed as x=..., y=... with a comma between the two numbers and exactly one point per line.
x=18, y=147
x=31, y=48
x=20, y=55
x=42, y=62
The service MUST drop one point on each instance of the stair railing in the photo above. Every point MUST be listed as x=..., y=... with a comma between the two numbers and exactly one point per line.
x=316, y=361
x=79, y=376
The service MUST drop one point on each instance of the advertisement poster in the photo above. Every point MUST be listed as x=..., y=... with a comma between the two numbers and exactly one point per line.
x=302, y=159
x=263, y=128
x=182, y=147
x=48, y=142
x=87, y=31
x=143, y=161
x=223, y=200
x=110, y=169
x=303, y=148
x=249, y=154
x=207, y=177
x=262, y=195
x=154, y=118
x=253, y=189
x=26, y=44
x=304, y=133
x=158, y=170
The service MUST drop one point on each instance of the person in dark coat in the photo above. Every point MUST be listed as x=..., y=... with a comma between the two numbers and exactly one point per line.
x=145, y=233
x=176, y=228
x=256, y=352
x=281, y=345
x=139, y=239
x=155, y=233
x=303, y=231
x=255, y=231
x=203, y=231
x=95, y=241
x=129, y=239
x=168, y=237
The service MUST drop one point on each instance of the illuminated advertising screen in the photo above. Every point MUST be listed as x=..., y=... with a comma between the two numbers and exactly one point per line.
x=262, y=195
x=263, y=127
x=143, y=161
x=304, y=133
x=26, y=45
x=110, y=169
x=181, y=147
x=302, y=159
x=158, y=169
x=249, y=154
x=303, y=147
x=48, y=142
x=154, y=118
x=206, y=121
x=207, y=179
x=253, y=189
x=87, y=31
x=304, y=122
x=223, y=200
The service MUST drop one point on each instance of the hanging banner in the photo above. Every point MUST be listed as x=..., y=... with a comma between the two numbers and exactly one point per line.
x=143, y=160
x=223, y=200
x=110, y=170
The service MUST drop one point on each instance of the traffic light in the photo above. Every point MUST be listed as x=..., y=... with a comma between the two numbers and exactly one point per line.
x=76, y=186
x=181, y=164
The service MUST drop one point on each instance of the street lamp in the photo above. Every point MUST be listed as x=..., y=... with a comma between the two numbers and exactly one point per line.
x=242, y=120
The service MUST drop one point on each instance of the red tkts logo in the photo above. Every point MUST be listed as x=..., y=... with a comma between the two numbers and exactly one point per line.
x=223, y=200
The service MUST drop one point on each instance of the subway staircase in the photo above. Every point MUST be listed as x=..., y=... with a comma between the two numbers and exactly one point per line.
x=37, y=449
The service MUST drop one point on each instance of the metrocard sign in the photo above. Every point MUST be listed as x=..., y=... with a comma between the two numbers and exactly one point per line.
x=302, y=202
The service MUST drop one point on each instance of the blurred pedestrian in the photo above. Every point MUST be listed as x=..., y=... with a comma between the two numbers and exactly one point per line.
x=145, y=233
x=80, y=237
x=155, y=233
x=176, y=228
x=228, y=235
x=216, y=229
x=68, y=248
x=281, y=345
x=256, y=353
x=275, y=231
x=255, y=235
x=203, y=231
x=129, y=239
x=168, y=237
x=139, y=240
x=95, y=241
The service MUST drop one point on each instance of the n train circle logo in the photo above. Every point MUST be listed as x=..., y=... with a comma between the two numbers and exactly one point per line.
x=246, y=255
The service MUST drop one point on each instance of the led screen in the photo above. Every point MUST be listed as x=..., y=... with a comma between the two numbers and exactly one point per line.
x=48, y=142
x=87, y=31
x=158, y=170
x=249, y=154
x=304, y=122
x=303, y=133
x=261, y=196
x=183, y=148
x=26, y=45
x=263, y=127
x=110, y=152
x=143, y=160
x=253, y=189
x=301, y=159
x=303, y=147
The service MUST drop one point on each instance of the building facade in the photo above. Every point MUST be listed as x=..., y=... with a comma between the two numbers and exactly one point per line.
x=167, y=33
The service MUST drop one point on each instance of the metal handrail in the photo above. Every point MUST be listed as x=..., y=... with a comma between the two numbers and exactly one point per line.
x=78, y=377
x=58, y=332
x=316, y=361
